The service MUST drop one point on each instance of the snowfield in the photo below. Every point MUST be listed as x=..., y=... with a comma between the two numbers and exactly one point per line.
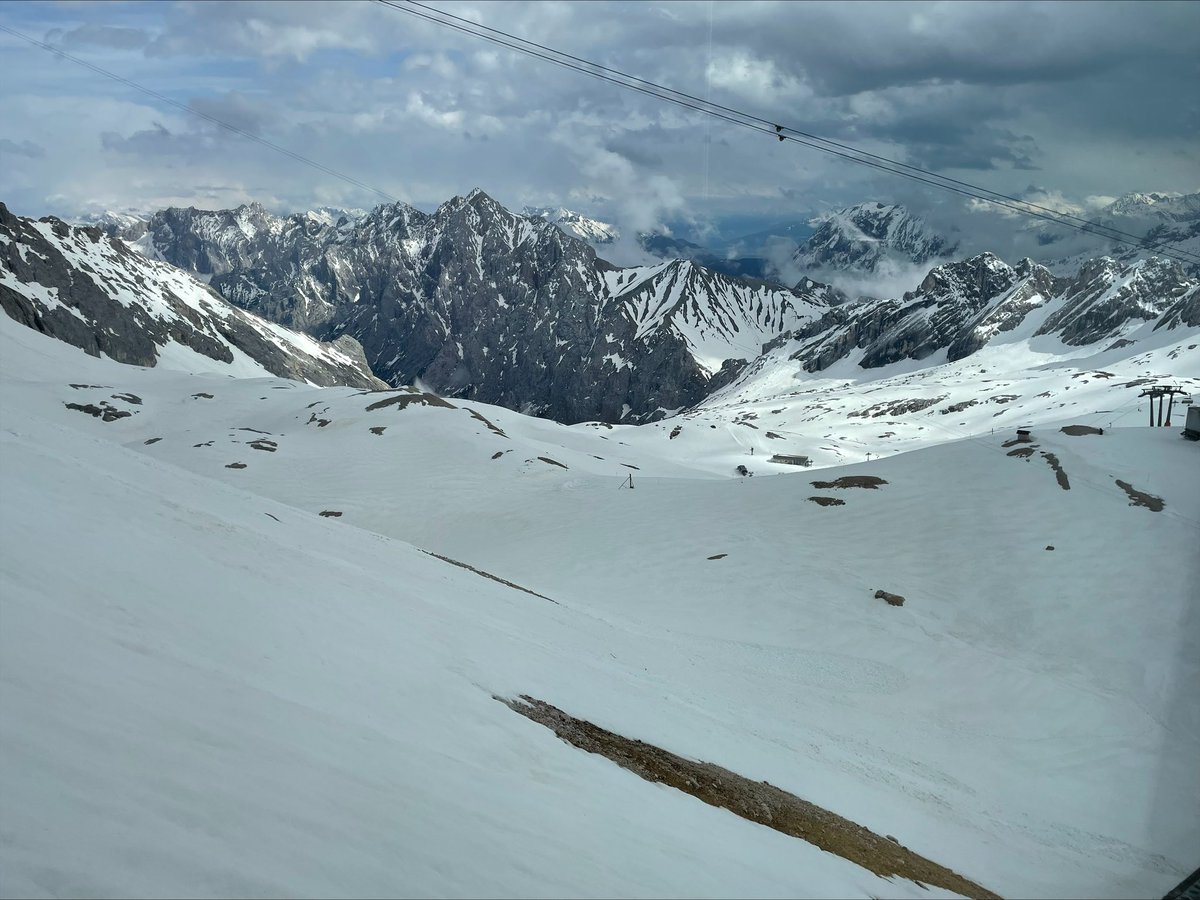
x=208, y=688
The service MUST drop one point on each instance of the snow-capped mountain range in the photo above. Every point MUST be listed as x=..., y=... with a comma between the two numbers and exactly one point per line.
x=481, y=303
x=960, y=307
x=484, y=304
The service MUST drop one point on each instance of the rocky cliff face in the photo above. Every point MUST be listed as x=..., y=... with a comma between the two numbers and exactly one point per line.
x=89, y=290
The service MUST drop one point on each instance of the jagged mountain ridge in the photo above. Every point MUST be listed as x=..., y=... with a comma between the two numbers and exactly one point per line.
x=961, y=307
x=93, y=292
x=483, y=304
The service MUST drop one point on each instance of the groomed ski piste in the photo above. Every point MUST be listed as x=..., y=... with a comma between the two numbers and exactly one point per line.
x=227, y=667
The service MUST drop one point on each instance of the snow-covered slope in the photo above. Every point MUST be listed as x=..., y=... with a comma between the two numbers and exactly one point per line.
x=206, y=686
x=719, y=318
x=92, y=291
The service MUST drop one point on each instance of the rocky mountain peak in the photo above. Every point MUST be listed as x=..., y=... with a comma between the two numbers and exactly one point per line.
x=863, y=237
x=576, y=224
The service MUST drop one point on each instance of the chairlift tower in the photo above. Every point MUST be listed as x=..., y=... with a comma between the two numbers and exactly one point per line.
x=1159, y=392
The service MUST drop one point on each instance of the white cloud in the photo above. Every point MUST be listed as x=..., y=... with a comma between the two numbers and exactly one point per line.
x=428, y=112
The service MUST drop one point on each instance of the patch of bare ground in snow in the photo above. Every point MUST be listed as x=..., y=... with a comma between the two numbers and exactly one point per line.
x=756, y=801
x=851, y=481
x=1141, y=498
x=489, y=575
x=827, y=501
x=492, y=428
x=1021, y=438
x=404, y=400
x=1079, y=430
x=1059, y=472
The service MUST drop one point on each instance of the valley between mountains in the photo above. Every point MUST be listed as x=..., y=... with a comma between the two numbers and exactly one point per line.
x=288, y=504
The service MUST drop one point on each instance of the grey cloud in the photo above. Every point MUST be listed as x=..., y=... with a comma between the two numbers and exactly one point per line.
x=1092, y=95
x=160, y=144
x=25, y=148
x=235, y=109
x=115, y=37
x=112, y=36
x=150, y=140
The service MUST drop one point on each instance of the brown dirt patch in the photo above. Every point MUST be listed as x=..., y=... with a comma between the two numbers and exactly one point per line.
x=1079, y=430
x=152, y=441
x=102, y=387
x=756, y=801
x=492, y=428
x=202, y=396
x=252, y=430
x=330, y=513
x=404, y=400
x=675, y=432
x=1022, y=452
x=378, y=429
x=129, y=398
x=827, y=501
x=497, y=454
x=631, y=466
x=237, y=465
x=262, y=444
x=553, y=462
x=892, y=599
x=719, y=556
x=488, y=575
x=851, y=481
x=1059, y=473
x=1141, y=498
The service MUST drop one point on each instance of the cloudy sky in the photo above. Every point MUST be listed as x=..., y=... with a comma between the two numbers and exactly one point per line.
x=1066, y=103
